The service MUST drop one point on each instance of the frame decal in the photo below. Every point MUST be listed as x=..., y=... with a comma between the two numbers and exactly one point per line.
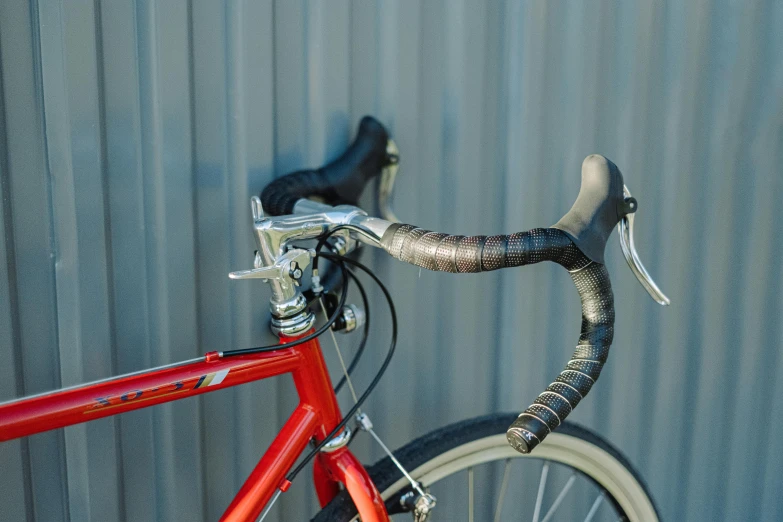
x=211, y=379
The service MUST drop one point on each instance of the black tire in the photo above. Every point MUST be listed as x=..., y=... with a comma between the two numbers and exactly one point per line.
x=428, y=447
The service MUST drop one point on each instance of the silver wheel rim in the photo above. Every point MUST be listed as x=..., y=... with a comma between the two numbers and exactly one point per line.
x=565, y=449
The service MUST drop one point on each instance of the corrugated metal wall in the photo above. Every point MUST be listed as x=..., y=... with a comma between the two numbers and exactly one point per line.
x=133, y=133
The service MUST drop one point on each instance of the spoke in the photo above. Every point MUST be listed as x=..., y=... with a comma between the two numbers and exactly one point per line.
x=594, y=507
x=503, y=487
x=540, y=496
x=559, y=499
x=470, y=494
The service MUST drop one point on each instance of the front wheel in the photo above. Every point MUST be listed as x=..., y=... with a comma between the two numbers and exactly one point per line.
x=476, y=476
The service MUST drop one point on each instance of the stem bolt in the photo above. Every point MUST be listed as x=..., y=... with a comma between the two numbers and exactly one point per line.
x=295, y=272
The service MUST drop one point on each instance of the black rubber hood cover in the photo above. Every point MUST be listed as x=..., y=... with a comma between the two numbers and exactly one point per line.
x=598, y=208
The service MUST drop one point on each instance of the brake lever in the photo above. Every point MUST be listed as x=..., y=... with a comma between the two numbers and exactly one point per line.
x=388, y=175
x=625, y=230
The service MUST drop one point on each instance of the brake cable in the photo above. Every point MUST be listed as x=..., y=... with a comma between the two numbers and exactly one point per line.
x=365, y=334
x=306, y=338
x=392, y=345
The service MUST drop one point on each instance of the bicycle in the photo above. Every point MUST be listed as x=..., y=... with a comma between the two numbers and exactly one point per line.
x=487, y=449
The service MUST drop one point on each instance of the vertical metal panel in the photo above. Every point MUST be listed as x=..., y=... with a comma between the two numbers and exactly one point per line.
x=124, y=196
x=14, y=456
x=133, y=132
x=74, y=152
x=29, y=225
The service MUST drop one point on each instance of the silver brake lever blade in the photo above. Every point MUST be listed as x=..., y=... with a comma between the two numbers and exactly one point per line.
x=388, y=174
x=625, y=229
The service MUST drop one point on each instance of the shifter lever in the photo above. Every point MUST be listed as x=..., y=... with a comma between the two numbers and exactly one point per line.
x=288, y=266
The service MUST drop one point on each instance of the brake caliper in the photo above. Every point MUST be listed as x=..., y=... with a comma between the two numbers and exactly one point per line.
x=420, y=505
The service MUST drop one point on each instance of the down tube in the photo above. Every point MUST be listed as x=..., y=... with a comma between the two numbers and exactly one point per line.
x=270, y=471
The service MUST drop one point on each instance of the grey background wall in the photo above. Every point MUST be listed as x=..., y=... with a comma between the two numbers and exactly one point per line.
x=132, y=134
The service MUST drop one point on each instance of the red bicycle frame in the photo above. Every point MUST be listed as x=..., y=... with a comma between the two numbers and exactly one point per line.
x=315, y=416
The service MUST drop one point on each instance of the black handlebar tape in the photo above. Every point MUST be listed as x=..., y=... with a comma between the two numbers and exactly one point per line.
x=340, y=182
x=560, y=398
x=577, y=243
x=467, y=254
x=461, y=254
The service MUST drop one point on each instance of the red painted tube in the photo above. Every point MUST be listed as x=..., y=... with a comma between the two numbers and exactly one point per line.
x=315, y=417
x=347, y=469
x=58, y=409
x=271, y=469
x=326, y=486
x=315, y=386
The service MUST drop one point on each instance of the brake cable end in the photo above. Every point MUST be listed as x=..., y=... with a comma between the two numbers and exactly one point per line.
x=315, y=283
